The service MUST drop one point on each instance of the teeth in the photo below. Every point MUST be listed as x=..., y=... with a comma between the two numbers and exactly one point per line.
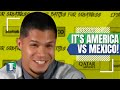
x=40, y=62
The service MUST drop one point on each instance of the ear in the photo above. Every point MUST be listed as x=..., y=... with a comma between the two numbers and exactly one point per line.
x=19, y=43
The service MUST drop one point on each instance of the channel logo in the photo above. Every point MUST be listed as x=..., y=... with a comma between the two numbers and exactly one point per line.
x=11, y=66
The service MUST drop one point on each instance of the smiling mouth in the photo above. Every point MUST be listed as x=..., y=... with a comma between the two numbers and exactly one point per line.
x=40, y=62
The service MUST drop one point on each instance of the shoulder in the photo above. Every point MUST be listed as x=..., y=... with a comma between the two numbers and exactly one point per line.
x=67, y=71
x=4, y=74
x=3, y=69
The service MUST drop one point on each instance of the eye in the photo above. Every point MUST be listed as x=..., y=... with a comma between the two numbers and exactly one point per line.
x=49, y=45
x=34, y=45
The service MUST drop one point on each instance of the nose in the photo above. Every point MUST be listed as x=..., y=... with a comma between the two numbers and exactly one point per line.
x=41, y=51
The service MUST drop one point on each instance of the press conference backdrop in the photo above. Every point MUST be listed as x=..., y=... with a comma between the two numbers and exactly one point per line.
x=93, y=66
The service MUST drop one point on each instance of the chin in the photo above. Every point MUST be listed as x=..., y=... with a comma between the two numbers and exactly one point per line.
x=39, y=70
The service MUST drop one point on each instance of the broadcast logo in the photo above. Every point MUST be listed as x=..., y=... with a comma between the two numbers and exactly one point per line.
x=11, y=66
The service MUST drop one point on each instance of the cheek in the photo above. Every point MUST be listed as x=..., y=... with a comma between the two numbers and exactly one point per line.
x=51, y=52
x=27, y=52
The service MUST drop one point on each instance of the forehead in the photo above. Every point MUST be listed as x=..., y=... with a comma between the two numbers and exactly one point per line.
x=41, y=32
x=41, y=36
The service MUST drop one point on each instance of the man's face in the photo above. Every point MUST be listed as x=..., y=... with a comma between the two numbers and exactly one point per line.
x=38, y=51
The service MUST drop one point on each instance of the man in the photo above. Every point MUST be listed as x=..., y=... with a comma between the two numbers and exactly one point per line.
x=37, y=41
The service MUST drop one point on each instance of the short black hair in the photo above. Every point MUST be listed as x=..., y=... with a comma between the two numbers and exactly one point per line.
x=37, y=20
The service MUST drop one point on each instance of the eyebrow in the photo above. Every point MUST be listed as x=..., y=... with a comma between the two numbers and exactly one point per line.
x=34, y=41
x=38, y=42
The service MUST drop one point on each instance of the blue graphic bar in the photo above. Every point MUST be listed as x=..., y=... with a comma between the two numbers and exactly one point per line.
x=94, y=49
